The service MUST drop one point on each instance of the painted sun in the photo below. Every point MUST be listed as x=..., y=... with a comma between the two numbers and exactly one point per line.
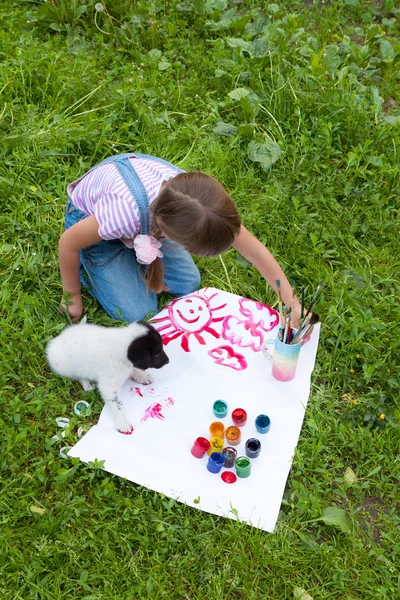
x=192, y=315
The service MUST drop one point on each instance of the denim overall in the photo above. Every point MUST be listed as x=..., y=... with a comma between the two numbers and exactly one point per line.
x=110, y=270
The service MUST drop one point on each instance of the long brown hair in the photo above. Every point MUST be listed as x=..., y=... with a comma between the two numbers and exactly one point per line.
x=195, y=211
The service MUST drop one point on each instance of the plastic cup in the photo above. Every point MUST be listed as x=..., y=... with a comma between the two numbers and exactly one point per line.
x=230, y=457
x=233, y=435
x=263, y=423
x=216, y=461
x=216, y=445
x=239, y=417
x=253, y=447
x=243, y=467
x=200, y=447
x=220, y=409
x=217, y=429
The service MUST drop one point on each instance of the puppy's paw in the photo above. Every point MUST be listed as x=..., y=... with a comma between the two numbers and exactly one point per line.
x=128, y=431
x=142, y=377
x=123, y=425
x=87, y=386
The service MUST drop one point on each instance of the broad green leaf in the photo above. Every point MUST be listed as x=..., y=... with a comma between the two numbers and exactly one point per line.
x=266, y=154
x=163, y=65
x=246, y=130
x=259, y=48
x=337, y=517
x=239, y=93
x=219, y=73
x=387, y=51
x=155, y=53
x=222, y=128
x=392, y=119
x=350, y=477
x=237, y=43
x=301, y=594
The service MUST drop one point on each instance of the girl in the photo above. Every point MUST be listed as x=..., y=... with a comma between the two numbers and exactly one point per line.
x=131, y=224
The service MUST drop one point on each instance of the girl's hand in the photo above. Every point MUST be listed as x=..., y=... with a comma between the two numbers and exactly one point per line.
x=73, y=306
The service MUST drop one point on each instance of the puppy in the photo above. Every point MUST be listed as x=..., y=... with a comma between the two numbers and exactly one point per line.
x=107, y=356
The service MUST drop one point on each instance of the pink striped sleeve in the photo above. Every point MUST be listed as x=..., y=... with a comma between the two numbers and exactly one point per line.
x=117, y=217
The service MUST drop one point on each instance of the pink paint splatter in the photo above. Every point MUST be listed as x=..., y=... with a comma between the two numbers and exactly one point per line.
x=169, y=402
x=137, y=391
x=227, y=357
x=153, y=412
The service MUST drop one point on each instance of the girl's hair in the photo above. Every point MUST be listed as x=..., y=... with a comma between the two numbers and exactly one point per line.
x=195, y=211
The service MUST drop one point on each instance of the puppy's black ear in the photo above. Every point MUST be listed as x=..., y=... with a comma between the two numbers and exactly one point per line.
x=139, y=353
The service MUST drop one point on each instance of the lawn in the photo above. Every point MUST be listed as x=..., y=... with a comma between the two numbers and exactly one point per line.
x=294, y=107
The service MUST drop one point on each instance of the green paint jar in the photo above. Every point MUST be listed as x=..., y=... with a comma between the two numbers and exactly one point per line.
x=243, y=467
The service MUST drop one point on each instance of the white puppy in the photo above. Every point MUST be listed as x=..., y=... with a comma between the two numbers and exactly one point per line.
x=107, y=356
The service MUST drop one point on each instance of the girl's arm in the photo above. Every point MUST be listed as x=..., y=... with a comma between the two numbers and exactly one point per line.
x=81, y=235
x=258, y=255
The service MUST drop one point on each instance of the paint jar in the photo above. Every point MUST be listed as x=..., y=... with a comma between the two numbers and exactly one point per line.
x=200, y=447
x=239, y=417
x=81, y=408
x=233, y=435
x=228, y=477
x=215, y=462
x=217, y=429
x=230, y=457
x=220, y=409
x=263, y=423
x=253, y=447
x=284, y=358
x=216, y=445
x=243, y=467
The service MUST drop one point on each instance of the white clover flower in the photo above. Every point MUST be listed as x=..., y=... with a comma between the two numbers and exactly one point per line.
x=99, y=7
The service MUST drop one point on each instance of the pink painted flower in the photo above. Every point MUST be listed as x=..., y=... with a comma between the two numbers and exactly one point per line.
x=147, y=249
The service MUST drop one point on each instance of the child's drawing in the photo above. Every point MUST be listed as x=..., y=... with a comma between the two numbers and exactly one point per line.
x=227, y=357
x=191, y=315
x=249, y=331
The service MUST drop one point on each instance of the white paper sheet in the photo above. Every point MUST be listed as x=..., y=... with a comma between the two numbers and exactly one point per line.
x=213, y=340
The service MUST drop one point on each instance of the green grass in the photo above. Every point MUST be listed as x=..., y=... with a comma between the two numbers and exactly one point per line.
x=310, y=151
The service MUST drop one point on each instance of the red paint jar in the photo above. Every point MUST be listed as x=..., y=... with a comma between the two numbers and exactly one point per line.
x=239, y=417
x=200, y=447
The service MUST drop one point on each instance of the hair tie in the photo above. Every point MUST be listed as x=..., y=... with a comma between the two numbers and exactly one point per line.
x=147, y=249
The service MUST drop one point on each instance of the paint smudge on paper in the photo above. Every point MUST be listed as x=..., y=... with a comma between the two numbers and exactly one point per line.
x=153, y=412
x=227, y=357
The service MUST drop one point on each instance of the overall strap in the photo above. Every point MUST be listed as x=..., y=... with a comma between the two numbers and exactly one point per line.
x=136, y=188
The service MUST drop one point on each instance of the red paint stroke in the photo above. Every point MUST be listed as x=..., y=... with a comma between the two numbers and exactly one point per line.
x=129, y=432
x=153, y=412
x=227, y=357
x=249, y=332
x=137, y=391
x=191, y=315
x=169, y=402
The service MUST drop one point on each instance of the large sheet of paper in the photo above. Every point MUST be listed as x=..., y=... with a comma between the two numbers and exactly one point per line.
x=214, y=341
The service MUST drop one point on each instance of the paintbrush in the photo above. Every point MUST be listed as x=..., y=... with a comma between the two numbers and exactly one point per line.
x=287, y=330
x=317, y=291
x=302, y=332
x=302, y=303
x=281, y=326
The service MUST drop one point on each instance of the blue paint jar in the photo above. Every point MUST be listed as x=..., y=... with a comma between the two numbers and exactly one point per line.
x=216, y=461
x=263, y=424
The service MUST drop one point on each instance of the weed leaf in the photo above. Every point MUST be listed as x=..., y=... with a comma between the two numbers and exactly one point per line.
x=266, y=154
x=301, y=594
x=222, y=128
x=337, y=517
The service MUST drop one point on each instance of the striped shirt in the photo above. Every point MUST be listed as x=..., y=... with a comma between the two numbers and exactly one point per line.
x=104, y=194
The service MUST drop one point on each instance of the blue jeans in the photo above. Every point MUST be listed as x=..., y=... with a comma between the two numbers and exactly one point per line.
x=110, y=270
